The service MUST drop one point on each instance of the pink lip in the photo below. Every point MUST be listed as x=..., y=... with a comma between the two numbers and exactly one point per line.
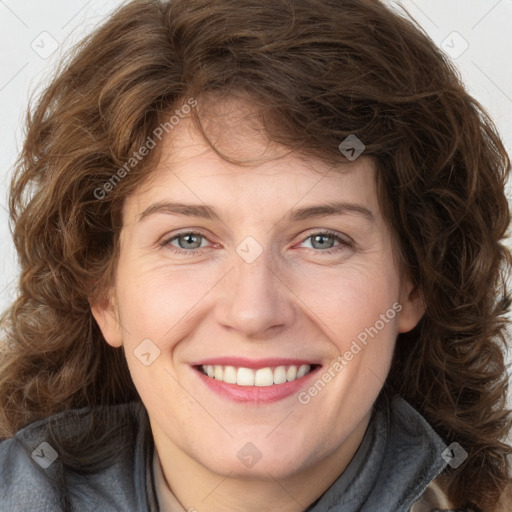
x=257, y=395
x=255, y=364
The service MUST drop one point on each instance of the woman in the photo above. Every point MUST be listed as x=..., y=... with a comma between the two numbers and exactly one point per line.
x=261, y=269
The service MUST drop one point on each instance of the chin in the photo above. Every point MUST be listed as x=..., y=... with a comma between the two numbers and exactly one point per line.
x=248, y=462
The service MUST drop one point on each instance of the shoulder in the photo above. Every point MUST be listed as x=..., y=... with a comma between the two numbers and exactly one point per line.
x=432, y=500
x=22, y=486
x=61, y=461
x=415, y=449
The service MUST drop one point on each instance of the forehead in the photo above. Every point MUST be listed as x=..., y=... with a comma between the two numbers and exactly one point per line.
x=270, y=175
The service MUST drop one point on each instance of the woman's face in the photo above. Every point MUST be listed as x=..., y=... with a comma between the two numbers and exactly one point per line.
x=256, y=275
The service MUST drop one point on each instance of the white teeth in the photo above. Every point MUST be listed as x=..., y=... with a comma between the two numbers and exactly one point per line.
x=230, y=375
x=280, y=375
x=291, y=373
x=261, y=377
x=245, y=377
x=302, y=371
x=264, y=377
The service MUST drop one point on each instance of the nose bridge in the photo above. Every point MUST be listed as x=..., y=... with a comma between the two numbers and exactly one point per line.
x=254, y=297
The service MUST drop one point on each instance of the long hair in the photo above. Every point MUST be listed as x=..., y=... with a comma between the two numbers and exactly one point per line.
x=316, y=71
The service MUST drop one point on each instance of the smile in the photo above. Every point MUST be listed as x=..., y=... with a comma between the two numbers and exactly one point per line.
x=261, y=377
x=255, y=381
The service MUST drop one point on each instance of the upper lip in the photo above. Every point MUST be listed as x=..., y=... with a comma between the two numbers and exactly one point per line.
x=241, y=362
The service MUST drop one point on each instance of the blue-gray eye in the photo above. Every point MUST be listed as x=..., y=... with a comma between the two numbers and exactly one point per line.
x=322, y=241
x=188, y=240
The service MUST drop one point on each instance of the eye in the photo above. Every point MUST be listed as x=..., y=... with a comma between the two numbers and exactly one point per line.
x=327, y=242
x=188, y=242
x=191, y=242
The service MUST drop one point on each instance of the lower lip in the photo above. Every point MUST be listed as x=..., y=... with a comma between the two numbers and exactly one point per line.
x=256, y=394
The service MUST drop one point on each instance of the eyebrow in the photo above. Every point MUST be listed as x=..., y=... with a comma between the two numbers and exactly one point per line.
x=298, y=214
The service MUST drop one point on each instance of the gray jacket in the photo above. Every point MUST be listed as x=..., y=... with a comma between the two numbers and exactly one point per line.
x=46, y=466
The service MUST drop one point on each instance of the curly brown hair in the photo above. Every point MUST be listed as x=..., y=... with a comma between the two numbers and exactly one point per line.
x=316, y=71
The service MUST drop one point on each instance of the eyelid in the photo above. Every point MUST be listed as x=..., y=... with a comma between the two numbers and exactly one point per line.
x=340, y=237
x=327, y=231
x=190, y=231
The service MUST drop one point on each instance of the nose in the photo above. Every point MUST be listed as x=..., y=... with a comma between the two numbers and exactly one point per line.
x=255, y=298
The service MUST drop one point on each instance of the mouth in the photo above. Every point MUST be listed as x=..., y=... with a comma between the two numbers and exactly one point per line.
x=261, y=377
x=255, y=382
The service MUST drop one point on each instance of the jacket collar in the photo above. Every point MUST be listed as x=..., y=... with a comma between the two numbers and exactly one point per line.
x=398, y=458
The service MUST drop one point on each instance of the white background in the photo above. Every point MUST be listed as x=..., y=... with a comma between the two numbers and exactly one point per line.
x=31, y=29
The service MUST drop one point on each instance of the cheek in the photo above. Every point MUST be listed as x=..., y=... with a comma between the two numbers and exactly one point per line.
x=158, y=303
x=350, y=301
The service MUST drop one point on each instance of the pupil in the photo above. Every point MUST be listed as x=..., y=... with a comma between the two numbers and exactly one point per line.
x=190, y=240
x=321, y=239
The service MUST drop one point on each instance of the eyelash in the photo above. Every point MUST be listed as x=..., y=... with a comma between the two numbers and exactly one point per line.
x=343, y=243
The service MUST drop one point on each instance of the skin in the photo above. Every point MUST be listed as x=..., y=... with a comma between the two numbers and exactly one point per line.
x=295, y=300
